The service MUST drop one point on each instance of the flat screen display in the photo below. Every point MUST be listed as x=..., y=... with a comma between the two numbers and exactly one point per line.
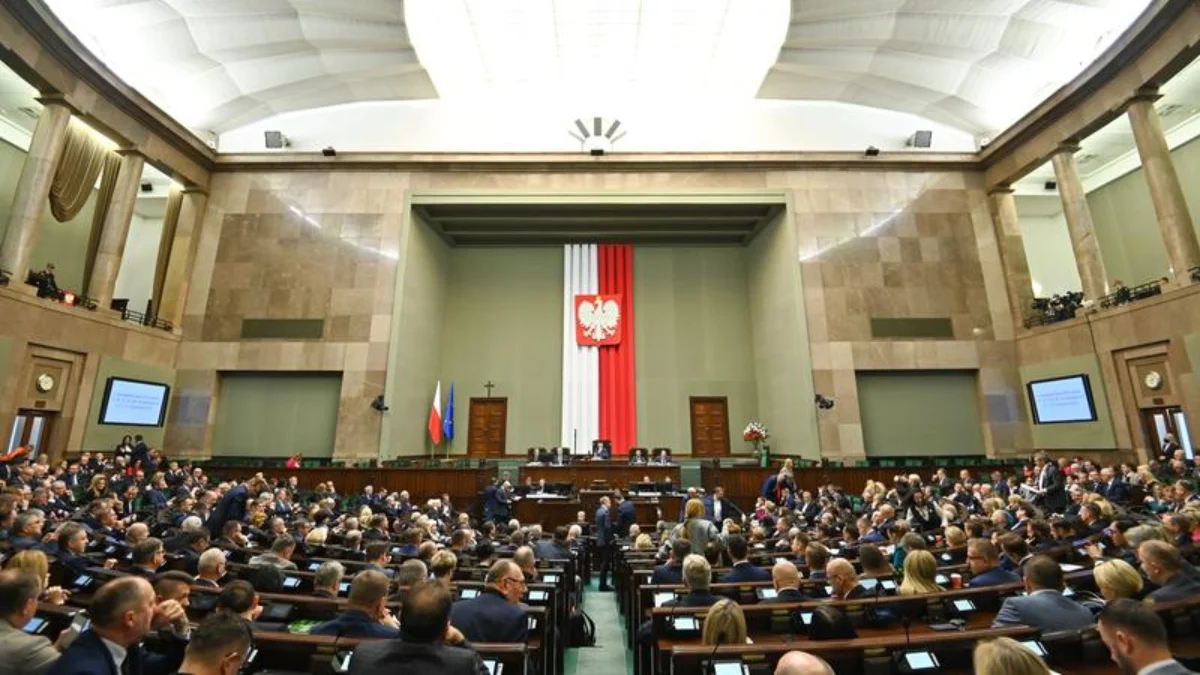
x=1062, y=400
x=134, y=403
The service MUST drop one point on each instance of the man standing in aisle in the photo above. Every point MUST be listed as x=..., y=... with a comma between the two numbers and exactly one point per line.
x=604, y=541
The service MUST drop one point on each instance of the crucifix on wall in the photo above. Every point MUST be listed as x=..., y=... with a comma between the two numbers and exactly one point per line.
x=489, y=386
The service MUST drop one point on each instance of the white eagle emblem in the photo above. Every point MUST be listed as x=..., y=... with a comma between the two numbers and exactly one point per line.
x=599, y=319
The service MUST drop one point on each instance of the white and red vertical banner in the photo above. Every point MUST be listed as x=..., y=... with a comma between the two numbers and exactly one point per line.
x=599, y=388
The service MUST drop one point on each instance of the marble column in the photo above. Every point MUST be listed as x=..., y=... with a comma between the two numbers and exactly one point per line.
x=1079, y=223
x=183, y=255
x=1007, y=226
x=1174, y=220
x=33, y=188
x=116, y=228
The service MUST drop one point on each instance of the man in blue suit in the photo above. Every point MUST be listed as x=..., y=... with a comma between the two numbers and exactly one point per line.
x=233, y=504
x=671, y=573
x=626, y=515
x=743, y=571
x=496, y=614
x=1045, y=608
x=366, y=614
x=717, y=508
x=1112, y=488
x=984, y=561
x=604, y=541
x=123, y=613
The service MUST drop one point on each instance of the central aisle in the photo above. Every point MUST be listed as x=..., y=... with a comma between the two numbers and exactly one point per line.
x=609, y=656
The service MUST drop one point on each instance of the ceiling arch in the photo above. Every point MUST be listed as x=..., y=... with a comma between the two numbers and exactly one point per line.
x=977, y=65
x=219, y=64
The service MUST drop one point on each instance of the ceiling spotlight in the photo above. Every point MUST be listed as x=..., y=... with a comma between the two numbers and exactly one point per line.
x=329, y=151
x=596, y=140
x=921, y=139
x=872, y=151
x=1050, y=185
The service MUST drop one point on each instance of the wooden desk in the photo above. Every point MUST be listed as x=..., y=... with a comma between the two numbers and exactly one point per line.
x=618, y=474
x=462, y=484
x=551, y=513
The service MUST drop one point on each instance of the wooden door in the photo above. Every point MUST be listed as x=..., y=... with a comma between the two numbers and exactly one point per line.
x=710, y=426
x=31, y=430
x=487, y=427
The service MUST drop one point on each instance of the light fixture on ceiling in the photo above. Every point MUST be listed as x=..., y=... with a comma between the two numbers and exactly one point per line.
x=275, y=140
x=871, y=151
x=1050, y=185
x=147, y=186
x=596, y=141
x=329, y=151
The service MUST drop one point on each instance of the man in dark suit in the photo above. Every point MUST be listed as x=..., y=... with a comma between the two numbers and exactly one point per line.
x=1164, y=565
x=232, y=506
x=671, y=572
x=1093, y=518
x=428, y=644
x=496, y=614
x=626, y=514
x=743, y=571
x=844, y=580
x=366, y=614
x=21, y=652
x=28, y=531
x=1112, y=488
x=1051, y=486
x=697, y=577
x=1137, y=639
x=218, y=645
x=604, y=541
x=1045, y=607
x=984, y=562
x=786, y=580
x=553, y=549
x=717, y=508
x=123, y=613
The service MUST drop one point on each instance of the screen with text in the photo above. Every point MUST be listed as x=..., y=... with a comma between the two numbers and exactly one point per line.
x=1067, y=399
x=134, y=403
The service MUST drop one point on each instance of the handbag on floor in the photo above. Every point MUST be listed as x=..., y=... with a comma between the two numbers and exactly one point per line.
x=581, y=630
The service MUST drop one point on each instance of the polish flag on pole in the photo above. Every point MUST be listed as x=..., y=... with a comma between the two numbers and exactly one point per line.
x=435, y=416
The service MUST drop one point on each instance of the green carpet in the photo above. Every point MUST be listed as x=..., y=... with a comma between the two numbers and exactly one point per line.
x=609, y=656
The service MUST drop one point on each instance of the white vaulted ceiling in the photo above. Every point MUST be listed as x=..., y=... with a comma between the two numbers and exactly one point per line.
x=977, y=65
x=972, y=65
x=219, y=64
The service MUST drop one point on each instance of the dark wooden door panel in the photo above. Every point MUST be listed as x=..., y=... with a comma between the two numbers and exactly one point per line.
x=710, y=426
x=487, y=427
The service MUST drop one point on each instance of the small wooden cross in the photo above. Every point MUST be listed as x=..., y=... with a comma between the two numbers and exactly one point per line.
x=489, y=386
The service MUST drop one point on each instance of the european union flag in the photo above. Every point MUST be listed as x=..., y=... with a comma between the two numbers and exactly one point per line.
x=448, y=420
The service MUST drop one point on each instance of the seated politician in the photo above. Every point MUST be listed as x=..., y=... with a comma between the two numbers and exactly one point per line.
x=123, y=612
x=366, y=614
x=984, y=561
x=496, y=614
x=428, y=644
x=671, y=572
x=1045, y=608
x=743, y=570
x=786, y=580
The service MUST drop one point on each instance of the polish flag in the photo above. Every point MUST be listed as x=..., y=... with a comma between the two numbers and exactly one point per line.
x=435, y=416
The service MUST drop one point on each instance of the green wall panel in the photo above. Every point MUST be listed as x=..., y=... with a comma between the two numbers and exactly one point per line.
x=891, y=400
x=98, y=436
x=277, y=414
x=1096, y=435
x=693, y=338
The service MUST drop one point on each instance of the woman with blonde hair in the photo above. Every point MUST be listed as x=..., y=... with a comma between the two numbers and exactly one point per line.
x=317, y=537
x=725, y=624
x=1117, y=579
x=97, y=489
x=1006, y=656
x=643, y=543
x=37, y=564
x=695, y=528
x=920, y=568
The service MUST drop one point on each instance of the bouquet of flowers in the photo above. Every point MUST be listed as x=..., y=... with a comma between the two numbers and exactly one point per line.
x=755, y=431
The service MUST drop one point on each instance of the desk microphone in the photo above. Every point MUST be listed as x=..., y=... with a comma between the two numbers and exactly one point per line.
x=907, y=638
x=713, y=655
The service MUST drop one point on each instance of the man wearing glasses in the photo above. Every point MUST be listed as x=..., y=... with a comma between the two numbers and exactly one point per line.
x=984, y=561
x=496, y=614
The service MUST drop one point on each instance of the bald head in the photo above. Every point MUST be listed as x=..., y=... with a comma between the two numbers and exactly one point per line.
x=802, y=663
x=785, y=575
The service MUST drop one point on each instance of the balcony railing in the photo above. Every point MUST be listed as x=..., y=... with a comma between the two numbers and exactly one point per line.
x=1126, y=295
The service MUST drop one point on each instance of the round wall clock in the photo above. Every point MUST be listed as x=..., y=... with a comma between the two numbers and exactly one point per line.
x=1153, y=379
x=45, y=382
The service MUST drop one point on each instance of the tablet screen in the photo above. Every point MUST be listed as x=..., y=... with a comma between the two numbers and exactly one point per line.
x=920, y=661
x=768, y=593
x=660, y=598
x=727, y=668
x=537, y=596
x=685, y=623
x=291, y=582
x=493, y=667
x=35, y=625
x=806, y=617
x=469, y=593
x=964, y=605
x=1034, y=646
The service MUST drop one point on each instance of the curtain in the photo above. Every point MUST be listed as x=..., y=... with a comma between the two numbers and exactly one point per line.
x=83, y=157
x=108, y=183
x=165, y=243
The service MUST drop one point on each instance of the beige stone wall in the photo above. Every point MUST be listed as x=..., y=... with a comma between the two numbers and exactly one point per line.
x=77, y=339
x=871, y=243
